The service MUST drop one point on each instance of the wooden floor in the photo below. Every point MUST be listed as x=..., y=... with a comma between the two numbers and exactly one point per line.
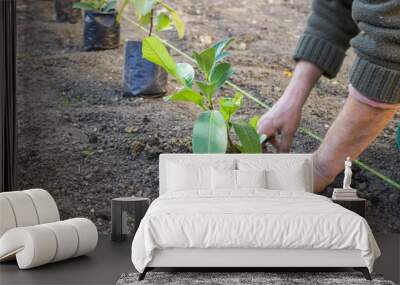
x=111, y=259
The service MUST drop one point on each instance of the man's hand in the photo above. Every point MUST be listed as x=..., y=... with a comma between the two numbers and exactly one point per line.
x=281, y=122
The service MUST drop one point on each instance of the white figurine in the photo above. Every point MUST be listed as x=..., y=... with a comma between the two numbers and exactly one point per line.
x=347, y=174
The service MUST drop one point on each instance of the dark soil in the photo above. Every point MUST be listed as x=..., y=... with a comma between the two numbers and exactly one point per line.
x=80, y=139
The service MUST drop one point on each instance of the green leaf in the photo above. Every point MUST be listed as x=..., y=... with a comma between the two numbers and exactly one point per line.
x=254, y=121
x=209, y=133
x=154, y=50
x=110, y=6
x=398, y=138
x=176, y=19
x=163, y=22
x=223, y=55
x=185, y=72
x=144, y=19
x=206, y=61
x=249, y=139
x=187, y=95
x=143, y=7
x=84, y=6
x=229, y=105
x=220, y=48
x=121, y=9
x=208, y=89
x=221, y=73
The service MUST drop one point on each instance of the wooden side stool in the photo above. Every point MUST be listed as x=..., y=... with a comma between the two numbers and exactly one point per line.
x=135, y=207
x=357, y=205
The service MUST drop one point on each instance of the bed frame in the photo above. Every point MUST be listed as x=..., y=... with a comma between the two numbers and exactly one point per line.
x=246, y=259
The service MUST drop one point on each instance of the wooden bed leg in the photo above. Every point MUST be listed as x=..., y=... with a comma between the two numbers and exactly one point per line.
x=143, y=274
x=364, y=271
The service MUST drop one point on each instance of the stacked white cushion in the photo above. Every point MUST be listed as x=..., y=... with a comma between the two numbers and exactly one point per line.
x=45, y=205
x=31, y=232
x=7, y=219
x=42, y=244
x=23, y=209
x=87, y=234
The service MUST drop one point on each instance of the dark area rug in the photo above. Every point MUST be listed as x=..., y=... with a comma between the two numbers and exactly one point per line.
x=273, y=278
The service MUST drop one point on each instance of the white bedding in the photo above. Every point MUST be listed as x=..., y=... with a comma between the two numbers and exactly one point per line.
x=250, y=219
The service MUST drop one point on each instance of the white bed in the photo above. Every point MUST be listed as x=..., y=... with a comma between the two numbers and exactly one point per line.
x=219, y=225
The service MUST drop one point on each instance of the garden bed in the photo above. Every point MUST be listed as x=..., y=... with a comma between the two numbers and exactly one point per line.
x=83, y=141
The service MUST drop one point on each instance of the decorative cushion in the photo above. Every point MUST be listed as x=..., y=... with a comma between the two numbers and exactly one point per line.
x=223, y=179
x=251, y=178
x=231, y=180
x=40, y=244
x=281, y=175
x=184, y=175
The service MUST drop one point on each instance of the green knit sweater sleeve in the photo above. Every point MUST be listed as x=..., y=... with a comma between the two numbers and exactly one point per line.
x=331, y=26
x=327, y=35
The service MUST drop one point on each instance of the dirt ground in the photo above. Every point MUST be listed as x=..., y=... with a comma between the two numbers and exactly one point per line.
x=85, y=143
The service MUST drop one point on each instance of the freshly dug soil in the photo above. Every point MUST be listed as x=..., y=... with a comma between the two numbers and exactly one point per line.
x=80, y=139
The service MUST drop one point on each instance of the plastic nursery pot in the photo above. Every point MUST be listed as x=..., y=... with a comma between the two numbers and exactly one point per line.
x=142, y=77
x=101, y=31
x=65, y=13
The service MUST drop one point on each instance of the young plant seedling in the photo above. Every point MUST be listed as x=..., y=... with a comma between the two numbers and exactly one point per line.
x=213, y=127
x=147, y=10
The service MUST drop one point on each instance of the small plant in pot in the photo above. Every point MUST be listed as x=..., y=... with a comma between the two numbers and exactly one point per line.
x=101, y=28
x=142, y=77
x=214, y=128
x=65, y=12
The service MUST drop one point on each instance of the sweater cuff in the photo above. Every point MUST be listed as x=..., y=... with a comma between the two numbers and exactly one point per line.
x=375, y=82
x=321, y=52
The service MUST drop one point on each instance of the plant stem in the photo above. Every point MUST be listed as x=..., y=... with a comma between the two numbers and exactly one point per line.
x=231, y=146
x=151, y=22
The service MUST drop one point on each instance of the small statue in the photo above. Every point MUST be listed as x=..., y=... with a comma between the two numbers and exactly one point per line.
x=347, y=174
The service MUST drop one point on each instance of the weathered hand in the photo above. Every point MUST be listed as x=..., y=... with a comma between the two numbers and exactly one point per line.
x=281, y=122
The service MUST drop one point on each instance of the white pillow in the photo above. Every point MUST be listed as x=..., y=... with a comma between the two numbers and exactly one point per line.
x=293, y=180
x=185, y=175
x=251, y=178
x=230, y=180
x=223, y=179
x=284, y=174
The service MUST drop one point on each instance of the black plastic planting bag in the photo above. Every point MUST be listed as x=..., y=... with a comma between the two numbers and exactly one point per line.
x=142, y=77
x=65, y=13
x=101, y=31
